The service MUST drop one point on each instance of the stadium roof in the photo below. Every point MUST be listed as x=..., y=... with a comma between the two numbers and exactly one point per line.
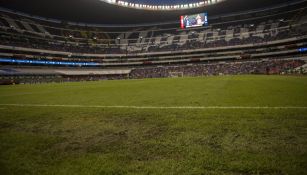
x=99, y=12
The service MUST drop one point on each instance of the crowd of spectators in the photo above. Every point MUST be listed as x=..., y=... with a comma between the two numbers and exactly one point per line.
x=214, y=69
x=26, y=40
x=232, y=68
x=251, y=39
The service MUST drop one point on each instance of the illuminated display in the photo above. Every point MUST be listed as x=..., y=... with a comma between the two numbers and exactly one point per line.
x=196, y=20
x=304, y=49
x=65, y=63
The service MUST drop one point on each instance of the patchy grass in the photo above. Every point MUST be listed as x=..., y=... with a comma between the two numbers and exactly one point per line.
x=55, y=140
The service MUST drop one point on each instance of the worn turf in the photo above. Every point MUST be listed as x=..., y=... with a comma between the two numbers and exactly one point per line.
x=95, y=140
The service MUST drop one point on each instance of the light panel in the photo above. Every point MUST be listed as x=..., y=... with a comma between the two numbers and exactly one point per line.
x=201, y=3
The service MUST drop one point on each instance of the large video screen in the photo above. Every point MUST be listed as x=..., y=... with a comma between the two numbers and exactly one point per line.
x=196, y=20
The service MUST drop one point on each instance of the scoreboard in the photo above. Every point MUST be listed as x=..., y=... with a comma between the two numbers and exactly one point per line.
x=197, y=20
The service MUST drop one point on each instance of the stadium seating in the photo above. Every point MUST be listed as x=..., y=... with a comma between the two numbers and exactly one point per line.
x=36, y=75
x=264, y=34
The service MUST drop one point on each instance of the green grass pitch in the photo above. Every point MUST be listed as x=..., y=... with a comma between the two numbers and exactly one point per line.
x=84, y=139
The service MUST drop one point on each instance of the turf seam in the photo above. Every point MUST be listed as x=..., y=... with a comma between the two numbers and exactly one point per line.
x=156, y=107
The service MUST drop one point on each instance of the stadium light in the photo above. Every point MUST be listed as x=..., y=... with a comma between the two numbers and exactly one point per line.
x=165, y=7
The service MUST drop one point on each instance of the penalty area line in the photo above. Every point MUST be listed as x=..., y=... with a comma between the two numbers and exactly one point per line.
x=157, y=107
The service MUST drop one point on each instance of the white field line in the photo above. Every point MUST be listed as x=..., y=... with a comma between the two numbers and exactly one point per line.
x=158, y=107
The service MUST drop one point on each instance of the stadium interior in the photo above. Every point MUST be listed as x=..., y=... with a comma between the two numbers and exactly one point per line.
x=56, y=42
